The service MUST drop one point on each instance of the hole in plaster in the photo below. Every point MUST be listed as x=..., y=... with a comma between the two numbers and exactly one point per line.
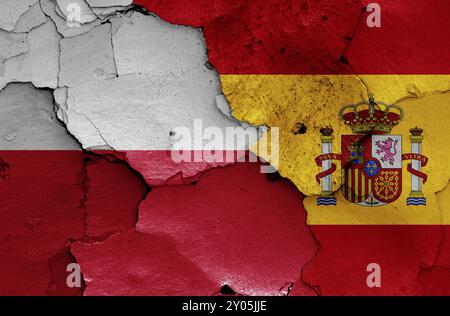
x=226, y=290
x=300, y=129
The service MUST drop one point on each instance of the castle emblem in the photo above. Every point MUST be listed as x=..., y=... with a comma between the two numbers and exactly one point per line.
x=371, y=158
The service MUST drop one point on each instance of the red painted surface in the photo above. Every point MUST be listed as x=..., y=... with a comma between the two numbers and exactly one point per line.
x=158, y=168
x=405, y=253
x=40, y=210
x=140, y=264
x=114, y=193
x=444, y=254
x=58, y=283
x=233, y=227
x=436, y=281
x=238, y=225
x=310, y=36
x=44, y=206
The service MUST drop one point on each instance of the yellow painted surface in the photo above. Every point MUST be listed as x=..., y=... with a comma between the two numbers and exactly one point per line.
x=288, y=101
x=394, y=88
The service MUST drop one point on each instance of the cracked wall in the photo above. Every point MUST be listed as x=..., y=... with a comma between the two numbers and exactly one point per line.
x=183, y=247
x=303, y=62
x=113, y=90
x=88, y=120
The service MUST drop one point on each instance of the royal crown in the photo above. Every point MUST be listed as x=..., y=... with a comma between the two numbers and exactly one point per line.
x=370, y=117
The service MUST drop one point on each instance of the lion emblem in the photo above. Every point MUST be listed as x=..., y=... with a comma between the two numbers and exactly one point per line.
x=387, y=149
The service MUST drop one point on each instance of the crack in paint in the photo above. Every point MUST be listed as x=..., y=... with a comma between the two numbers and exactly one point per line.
x=289, y=287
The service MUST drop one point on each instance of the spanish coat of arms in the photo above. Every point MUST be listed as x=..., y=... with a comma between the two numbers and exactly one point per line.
x=372, y=158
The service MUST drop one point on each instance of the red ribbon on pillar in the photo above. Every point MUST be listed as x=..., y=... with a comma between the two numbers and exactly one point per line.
x=323, y=158
x=423, y=160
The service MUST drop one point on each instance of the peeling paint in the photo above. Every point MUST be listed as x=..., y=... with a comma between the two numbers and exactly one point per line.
x=228, y=241
x=138, y=110
x=301, y=87
x=85, y=13
x=39, y=65
x=11, y=11
x=87, y=118
x=50, y=9
x=87, y=57
x=34, y=17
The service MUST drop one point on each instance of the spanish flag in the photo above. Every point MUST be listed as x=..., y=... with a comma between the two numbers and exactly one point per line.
x=293, y=65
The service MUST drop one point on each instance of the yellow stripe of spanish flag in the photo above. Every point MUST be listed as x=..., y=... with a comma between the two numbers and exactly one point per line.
x=313, y=101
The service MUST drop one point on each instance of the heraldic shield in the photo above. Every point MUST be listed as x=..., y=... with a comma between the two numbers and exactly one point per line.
x=371, y=169
x=371, y=158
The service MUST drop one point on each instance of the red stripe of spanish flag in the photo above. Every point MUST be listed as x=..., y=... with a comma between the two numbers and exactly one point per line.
x=291, y=64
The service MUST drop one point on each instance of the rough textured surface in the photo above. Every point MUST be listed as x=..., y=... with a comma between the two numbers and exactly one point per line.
x=41, y=197
x=12, y=44
x=433, y=122
x=140, y=264
x=283, y=84
x=103, y=13
x=40, y=212
x=85, y=12
x=314, y=102
x=60, y=96
x=95, y=196
x=50, y=189
x=287, y=101
x=40, y=65
x=401, y=251
x=58, y=265
x=87, y=57
x=114, y=192
x=138, y=111
x=44, y=56
x=184, y=48
x=28, y=122
x=125, y=80
x=11, y=10
x=30, y=19
x=221, y=240
x=150, y=111
x=50, y=9
x=273, y=37
x=108, y=3
x=309, y=37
